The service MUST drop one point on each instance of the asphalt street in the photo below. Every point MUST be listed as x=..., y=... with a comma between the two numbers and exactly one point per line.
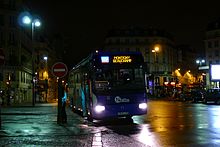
x=37, y=126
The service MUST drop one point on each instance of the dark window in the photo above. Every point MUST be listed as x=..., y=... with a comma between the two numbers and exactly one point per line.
x=165, y=79
x=147, y=51
x=127, y=41
x=2, y=41
x=1, y=19
x=110, y=41
x=209, y=44
x=1, y=77
x=216, y=53
x=13, y=77
x=118, y=41
x=216, y=43
x=164, y=59
x=12, y=21
x=2, y=4
x=12, y=4
x=12, y=38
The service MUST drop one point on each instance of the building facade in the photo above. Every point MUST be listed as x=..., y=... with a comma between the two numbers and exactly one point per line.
x=187, y=67
x=18, y=61
x=15, y=45
x=157, y=47
x=212, y=50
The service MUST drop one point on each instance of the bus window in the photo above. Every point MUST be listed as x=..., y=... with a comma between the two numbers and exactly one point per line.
x=108, y=80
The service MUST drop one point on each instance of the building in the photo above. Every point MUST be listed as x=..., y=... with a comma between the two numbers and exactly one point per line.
x=187, y=67
x=21, y=62
x=15, y=44
x=157, y=47
x=212, y=50
x=46, y=83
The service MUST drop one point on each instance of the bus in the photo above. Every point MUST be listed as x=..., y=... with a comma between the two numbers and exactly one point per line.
x=108, y=85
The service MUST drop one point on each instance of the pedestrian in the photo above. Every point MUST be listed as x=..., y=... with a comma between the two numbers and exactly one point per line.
x=63, y=108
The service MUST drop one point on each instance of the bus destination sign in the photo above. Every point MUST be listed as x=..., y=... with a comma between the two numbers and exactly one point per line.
x=122, y=59
x=116, y=59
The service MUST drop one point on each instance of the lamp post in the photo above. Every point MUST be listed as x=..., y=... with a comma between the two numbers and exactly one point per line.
x=155, y=51
x=46, y=77
x=27, y=19
x=201, y=62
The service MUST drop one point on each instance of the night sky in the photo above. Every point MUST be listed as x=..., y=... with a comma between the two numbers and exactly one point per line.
x=87, y=22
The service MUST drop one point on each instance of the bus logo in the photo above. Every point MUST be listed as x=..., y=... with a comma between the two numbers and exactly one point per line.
x=118, y=99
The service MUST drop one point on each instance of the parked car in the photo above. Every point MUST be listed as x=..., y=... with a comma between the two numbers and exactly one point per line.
x=212, y=95
x=194, y=95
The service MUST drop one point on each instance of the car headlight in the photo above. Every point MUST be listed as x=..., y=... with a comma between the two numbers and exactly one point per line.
x=99, y=108
x=143, y=106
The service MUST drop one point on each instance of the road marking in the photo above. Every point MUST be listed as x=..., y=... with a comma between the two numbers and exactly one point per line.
x=97, y=140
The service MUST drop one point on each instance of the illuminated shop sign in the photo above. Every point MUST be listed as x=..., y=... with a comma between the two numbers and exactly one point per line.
x=121, y=59
x=215, y=70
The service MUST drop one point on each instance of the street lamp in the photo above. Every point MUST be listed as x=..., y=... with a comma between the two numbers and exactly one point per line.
x=26, y=19
x=155, y=51
x=46, y=76
x=45, y=58
x=200, y=61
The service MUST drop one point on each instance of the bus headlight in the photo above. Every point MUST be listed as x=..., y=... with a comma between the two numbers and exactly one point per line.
x=143, y=106
x=99, y=108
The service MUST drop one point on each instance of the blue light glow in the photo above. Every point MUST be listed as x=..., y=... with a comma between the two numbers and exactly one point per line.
x=37, y=22
x=26, y=20
x=105, y=59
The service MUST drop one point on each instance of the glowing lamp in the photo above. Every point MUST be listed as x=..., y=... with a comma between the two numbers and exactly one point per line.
x=143, y=106
x=99, y=108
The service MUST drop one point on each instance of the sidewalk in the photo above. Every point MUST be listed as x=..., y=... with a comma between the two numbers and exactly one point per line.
x=37, y=126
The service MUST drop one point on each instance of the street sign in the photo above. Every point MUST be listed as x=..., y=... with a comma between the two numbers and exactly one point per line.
x=59, y=69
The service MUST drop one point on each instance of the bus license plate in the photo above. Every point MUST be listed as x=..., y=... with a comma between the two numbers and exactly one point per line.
x=123, y=113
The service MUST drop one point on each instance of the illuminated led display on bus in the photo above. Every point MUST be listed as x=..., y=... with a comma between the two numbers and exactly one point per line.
x=105, y=59
x=122, y=59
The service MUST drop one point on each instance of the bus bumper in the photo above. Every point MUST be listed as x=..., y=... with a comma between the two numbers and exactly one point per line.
x=119, y=110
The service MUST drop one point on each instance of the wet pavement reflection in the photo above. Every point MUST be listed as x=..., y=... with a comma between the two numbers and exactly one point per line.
x=168, y=123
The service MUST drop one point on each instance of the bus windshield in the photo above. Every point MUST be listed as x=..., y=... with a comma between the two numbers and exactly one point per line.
x=126, y=79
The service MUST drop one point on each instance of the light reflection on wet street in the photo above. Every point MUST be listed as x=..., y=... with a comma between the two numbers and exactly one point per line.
x=167, y=124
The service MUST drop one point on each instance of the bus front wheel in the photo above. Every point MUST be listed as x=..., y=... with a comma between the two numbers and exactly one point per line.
x=89, y=115
x=90, y=118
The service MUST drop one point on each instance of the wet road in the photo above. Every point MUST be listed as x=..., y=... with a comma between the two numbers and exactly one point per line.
x=171, y=124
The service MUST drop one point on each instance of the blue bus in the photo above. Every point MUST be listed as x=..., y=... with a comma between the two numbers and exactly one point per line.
x=108, y=85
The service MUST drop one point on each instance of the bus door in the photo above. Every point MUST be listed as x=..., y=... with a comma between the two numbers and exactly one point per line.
x=86, y=94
